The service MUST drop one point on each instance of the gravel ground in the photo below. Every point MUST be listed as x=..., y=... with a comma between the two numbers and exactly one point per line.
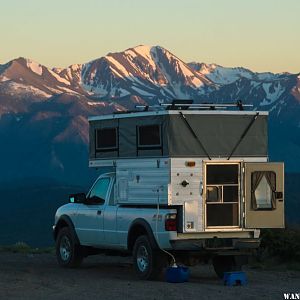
x=27, y=276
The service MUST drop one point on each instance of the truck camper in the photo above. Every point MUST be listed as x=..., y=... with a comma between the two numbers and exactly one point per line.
x=194, y=180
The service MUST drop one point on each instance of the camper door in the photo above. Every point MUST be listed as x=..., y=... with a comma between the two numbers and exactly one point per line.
x=264, y=195
x=222, y=194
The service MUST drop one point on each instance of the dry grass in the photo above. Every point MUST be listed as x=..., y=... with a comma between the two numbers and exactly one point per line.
x=22, y=247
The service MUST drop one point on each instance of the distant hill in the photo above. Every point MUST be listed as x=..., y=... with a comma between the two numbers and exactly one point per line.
x=27, y=212
x=292, y=207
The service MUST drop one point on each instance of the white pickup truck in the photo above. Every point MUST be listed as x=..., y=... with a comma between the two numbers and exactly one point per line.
x=93, y=223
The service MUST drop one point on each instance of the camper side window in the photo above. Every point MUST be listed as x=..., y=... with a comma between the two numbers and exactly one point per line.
x=149, y=136
x=263, y=190
x=106, y=139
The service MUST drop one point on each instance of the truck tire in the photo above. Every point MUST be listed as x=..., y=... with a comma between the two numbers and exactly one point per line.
x=225, y=263
x=68, y=253
x=148, y=263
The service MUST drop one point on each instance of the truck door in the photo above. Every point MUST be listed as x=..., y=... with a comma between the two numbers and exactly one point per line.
x=110, y=218
x=264, y=195
x=89, y=219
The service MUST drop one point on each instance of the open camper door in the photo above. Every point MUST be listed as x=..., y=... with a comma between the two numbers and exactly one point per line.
x=264, y=195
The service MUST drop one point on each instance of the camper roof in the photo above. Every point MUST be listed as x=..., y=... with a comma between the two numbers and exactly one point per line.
x=175, y=112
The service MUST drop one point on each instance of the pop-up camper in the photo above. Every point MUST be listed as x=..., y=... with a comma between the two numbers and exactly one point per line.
x=212, y=165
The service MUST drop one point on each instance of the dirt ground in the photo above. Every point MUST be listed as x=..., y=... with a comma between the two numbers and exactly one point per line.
x=28, y=276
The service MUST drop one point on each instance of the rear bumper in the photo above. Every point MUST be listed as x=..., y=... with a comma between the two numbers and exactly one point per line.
x=215, y=244
x=247, y=244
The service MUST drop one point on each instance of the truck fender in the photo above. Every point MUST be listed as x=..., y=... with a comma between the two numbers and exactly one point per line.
x=65, y=221
x=137, y=228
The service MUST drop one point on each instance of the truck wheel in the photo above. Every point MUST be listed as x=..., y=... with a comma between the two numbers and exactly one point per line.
x=68, y=254
x=147, y=262
x=225, y=264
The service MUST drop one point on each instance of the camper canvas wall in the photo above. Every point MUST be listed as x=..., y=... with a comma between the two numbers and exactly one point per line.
x=179, y=134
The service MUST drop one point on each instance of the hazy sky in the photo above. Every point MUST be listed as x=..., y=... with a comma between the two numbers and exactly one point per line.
x=258, y=34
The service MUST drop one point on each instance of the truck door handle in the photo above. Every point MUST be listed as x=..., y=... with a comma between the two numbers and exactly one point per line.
x=99, y=212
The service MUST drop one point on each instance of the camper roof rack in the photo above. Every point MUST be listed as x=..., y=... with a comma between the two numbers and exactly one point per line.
x=181, y=104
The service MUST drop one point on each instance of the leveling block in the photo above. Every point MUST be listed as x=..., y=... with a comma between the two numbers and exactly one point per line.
x=235, y=278
x=177, y=274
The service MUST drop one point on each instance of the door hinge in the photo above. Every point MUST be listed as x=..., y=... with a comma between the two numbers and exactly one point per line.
x=243, y=170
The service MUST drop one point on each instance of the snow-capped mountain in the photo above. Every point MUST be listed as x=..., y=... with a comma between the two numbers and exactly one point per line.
x=45, y=109
x=152, y=73
x=146, y=75
x=222, y=75
x=24, y=76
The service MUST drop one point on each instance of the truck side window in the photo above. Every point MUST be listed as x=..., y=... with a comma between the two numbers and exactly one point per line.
x=100, y=188
x=112, y=195
x=263, y=188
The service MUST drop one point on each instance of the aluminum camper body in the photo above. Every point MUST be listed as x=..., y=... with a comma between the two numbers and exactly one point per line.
x=212, y=166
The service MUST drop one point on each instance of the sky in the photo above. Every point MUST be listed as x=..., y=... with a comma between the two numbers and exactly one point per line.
x=261, y=35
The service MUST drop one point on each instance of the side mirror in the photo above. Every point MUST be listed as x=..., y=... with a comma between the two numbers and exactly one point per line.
x=77, y=198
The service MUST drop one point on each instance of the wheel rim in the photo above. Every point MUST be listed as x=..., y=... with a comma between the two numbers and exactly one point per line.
x=65, y=248
x=142, y=259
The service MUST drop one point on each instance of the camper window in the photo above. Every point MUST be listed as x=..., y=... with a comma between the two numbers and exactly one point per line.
x=106, y=139
x=263, y=190
x=149, y=136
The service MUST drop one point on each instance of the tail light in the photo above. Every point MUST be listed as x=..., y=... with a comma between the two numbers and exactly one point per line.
x=171, y=222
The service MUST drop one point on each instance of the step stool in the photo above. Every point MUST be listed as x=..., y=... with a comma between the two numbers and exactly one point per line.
x=234, y=278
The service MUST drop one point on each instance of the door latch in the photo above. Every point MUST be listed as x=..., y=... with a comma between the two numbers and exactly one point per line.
x=184, y=183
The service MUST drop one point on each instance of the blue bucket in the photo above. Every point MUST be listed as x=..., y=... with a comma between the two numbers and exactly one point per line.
x=177, y=274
